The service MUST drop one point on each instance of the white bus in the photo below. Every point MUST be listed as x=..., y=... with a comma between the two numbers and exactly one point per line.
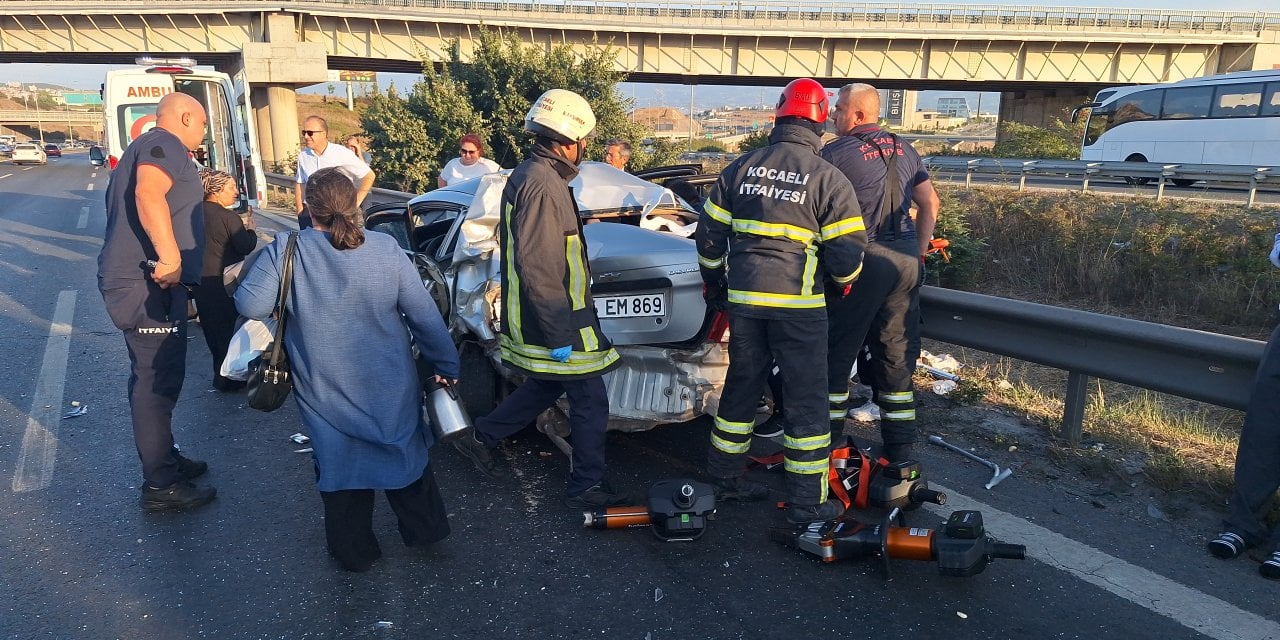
x=129, y=99
x=1226, y=119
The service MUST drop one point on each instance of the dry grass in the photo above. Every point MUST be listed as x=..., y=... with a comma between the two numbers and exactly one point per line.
x=1182, y=445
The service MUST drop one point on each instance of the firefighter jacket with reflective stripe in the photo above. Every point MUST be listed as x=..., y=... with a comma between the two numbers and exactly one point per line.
x=778, y=220
x=546, y=281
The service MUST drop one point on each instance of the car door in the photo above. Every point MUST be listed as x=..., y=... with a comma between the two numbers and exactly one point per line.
x=397, y=221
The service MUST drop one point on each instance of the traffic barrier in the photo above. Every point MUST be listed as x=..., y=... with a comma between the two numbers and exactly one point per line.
x=1133, y=172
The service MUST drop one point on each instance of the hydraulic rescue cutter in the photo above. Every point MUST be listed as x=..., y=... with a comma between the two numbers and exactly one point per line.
x=961, y=547
x=678, y=511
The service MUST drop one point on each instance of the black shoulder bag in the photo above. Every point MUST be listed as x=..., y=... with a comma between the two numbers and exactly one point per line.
x=269, y=382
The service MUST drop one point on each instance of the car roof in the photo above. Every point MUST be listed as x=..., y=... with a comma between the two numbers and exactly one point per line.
x=598, y=188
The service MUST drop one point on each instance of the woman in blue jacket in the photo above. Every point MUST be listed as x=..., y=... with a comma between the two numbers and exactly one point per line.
x=355, y=302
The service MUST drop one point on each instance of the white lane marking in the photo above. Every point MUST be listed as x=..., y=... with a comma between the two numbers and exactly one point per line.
x=5, y=176
x=1191, y=608
x=40, y=442
x=90, y=187
x=94, y=174
x=84, y=218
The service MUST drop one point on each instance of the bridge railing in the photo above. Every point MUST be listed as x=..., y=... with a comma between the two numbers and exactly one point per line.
x=1252, y=176
x=951, y=16
x=1202, y=366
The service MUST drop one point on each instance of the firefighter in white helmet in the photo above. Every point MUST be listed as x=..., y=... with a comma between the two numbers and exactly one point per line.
x=550, y=331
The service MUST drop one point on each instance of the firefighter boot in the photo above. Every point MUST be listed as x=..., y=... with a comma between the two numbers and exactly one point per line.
x=806, y=513
x=740, y=489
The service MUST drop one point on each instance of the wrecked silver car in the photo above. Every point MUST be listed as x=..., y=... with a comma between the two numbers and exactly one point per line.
x=646, y=286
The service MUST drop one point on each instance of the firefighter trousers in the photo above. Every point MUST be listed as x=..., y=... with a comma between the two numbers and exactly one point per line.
x=1257, y=471
x=798, y=346
x=882, y=311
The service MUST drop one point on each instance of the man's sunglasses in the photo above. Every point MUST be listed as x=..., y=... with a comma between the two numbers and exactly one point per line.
x=467, y=152
x=311, y=133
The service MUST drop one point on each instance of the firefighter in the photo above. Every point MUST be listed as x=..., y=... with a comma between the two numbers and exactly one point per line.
x=550, y=332
x=767, y=219
x=883, y=309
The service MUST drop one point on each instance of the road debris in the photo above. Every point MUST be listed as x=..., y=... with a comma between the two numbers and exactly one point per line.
x=79, y=410
x=298, y=438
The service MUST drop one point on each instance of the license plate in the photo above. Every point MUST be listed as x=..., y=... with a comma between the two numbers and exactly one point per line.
x=641, y=306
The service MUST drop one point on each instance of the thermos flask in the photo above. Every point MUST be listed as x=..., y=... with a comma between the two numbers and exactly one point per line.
x=444, y=409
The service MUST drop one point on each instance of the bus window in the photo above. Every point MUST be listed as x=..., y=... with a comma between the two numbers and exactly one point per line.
x=1271, y=104
x=1187, y=102
x=1141, y=105
x=1099, y=121
x=1237, y=100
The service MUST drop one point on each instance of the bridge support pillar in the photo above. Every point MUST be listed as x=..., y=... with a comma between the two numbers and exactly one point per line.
x=275, y=69
x=1038, y=107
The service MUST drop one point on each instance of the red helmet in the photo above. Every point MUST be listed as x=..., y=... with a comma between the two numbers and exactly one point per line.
x=805, y=98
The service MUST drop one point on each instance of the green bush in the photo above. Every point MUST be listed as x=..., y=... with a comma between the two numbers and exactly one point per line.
x=1058, y=141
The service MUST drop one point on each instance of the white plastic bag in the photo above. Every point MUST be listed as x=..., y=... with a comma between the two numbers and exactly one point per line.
x=249, y=341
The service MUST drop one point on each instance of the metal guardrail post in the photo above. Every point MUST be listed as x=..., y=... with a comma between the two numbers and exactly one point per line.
x=969, y=168
x=1260, y=174
x=1165, y=172
x=1074, y=404
x=1022, y=179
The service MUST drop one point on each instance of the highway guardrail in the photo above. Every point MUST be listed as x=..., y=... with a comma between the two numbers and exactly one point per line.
x=1199, y=365
x=1252, y=176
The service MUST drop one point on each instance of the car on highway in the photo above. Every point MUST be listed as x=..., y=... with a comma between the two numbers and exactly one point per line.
x=52, y=150
x=96, y=157
x=29, y=153
x=645, y=284
x=5, y=149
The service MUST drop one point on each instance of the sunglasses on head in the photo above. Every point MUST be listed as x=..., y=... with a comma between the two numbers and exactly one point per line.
x=311, y=133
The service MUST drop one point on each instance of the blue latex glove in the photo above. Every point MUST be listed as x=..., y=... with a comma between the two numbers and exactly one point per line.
x=1275, y=252
x=561, y=354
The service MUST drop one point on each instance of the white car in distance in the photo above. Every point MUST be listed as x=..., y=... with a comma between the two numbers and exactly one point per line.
x=28, y=153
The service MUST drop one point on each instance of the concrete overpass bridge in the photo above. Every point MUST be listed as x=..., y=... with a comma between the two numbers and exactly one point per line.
x=1044, y=59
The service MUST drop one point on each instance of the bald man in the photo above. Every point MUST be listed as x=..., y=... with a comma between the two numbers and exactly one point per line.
x=882, y=310
x=151, y=254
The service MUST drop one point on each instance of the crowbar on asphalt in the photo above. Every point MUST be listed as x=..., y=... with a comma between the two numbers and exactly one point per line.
x=997, y=475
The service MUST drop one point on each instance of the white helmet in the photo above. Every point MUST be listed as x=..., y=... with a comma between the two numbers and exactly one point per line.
x=561, y=115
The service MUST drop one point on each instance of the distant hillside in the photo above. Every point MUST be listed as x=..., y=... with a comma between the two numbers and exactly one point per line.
x=342, y=123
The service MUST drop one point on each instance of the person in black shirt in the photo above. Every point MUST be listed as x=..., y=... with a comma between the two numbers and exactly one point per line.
x=151, y=254
x=227, y=241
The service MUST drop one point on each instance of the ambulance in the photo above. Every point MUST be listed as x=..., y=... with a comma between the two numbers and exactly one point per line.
x=129, y=99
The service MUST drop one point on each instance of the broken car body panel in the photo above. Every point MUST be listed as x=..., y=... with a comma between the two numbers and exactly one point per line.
x=645, y=282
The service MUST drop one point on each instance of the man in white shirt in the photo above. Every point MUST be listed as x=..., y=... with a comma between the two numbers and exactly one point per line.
x=470, y=162
x=318, y=155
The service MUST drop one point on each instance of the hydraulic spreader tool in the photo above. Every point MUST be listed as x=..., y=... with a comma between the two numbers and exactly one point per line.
x=961, y=547
x=678, y=511
x=861, y=481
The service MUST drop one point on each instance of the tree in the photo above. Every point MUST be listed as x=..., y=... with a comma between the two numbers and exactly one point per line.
x=489, y=96
x=711, y=146
x=755, y=140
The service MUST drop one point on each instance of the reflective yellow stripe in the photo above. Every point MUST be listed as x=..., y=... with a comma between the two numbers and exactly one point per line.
x=809, y=443
x=512, y=297
x=810, y=268
x=837, y=229
x=534, y=358
x=774, y=230
x=849, y=278
x=729, y=447
x=897, y=396
x=805, y=467
x=719, y=215
x=589, y=342
x=835, y=398
x=835, y=414
x=784, y=300
x=711, y=263
x=577, y=274
x=733, y=427
x=909, y=414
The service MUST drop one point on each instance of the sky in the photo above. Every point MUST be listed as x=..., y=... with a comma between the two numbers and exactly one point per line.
x=91, y=76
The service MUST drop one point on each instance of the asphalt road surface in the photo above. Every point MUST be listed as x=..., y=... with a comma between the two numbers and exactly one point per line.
x=79, y=559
